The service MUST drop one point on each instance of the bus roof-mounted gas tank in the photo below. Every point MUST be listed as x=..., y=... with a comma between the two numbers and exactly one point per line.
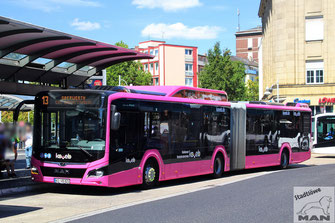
x=185, y=92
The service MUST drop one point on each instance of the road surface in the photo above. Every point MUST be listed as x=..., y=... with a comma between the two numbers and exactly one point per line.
x=259, y=195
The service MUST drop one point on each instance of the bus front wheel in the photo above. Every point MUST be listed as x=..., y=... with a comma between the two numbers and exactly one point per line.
x=150, y=174
x=218, y=166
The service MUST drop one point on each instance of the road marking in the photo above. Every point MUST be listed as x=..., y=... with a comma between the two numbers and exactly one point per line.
x=101, y=211
x=15, y=178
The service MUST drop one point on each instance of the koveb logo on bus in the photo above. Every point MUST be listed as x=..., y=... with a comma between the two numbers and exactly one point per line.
x=63, y=157
x=326, y=100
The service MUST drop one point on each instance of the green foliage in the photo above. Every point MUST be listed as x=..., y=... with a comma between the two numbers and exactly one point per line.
x=222, y=73
x=252, y=90
x=131, y=72
x=7, y=116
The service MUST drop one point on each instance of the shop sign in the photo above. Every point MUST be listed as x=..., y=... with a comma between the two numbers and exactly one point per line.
x=302, y=101
x=326, y=100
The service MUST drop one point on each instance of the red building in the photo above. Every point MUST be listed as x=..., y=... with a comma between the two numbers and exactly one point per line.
x=247, y=43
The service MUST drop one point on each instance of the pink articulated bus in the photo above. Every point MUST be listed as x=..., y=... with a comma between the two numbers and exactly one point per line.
x=120, y=136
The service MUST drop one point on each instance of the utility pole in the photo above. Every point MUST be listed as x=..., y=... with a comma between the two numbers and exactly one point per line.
x=277, y=91
x=238, y=20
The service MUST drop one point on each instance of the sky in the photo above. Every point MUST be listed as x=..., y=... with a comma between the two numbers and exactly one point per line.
x=199, y=23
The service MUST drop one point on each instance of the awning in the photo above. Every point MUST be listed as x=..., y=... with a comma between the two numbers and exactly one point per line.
x=36, y=54
x=10, y=102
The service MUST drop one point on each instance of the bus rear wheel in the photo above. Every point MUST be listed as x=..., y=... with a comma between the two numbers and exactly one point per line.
x=218, y=166
x=150, y=175
x=284, y=161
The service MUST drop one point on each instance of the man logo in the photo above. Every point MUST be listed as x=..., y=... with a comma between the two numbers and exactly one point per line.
x=314, y=204
x=322, y=204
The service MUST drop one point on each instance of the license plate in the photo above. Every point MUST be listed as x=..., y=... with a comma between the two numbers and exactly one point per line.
x=62, y=181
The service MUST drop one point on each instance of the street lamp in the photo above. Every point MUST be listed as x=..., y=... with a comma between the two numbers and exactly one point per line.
x=122, y=80
x=268, y=91
x=266, y=94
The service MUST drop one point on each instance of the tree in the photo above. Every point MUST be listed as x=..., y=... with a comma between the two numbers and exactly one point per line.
x=131, y=72
x=221, y=73
x=252, y=90
x=7, y=116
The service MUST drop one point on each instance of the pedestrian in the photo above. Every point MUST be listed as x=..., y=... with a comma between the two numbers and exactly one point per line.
x=14, y=145
x=28, y=143
x=4, y=145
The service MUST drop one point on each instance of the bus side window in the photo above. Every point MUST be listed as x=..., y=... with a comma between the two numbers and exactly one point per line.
x=156, y=125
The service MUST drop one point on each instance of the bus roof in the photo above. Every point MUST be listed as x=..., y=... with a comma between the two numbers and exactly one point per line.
x=200, y=93
x=171, y=90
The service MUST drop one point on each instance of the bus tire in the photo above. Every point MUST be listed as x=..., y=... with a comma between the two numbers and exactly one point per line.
x=150, y=174
x=218, y=166
x=284, y=160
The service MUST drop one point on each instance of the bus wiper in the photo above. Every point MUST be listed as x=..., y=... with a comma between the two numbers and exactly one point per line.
x=86, y=153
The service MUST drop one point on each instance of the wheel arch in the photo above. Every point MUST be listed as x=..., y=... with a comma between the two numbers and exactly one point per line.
x=286, y=147
x=221, y=150
x=152, y=154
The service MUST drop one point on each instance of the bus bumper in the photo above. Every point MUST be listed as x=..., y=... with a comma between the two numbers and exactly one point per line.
x=120, y=179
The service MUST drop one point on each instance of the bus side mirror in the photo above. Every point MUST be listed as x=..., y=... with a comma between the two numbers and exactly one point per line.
x=115, y=118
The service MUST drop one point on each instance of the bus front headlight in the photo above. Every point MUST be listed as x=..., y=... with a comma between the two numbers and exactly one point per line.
x=96, y=173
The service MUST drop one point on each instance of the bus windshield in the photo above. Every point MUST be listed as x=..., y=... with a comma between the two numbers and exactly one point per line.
x=72, y=129
x=325, y=129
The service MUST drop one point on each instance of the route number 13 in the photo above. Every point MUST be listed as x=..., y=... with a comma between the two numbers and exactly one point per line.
x=45, y=100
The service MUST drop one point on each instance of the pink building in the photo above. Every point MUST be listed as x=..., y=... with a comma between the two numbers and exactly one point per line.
x=172, y=64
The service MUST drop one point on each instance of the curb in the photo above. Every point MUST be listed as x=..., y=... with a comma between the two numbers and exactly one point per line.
x=21, y=189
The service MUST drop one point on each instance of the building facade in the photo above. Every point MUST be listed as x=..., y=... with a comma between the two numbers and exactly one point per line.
x=202, y=61
x=247, y=43
x=298, y=51
x=251, y=68
x=172, y=64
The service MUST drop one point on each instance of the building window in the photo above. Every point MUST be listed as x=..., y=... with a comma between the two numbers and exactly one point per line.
x=146, y=67
x=151, y=52
x=189, y=81
x=189, y=69
x=314, y=72
x=156, y=67
x=249, y=43
x=156, y=52
x=321, y=109
x=329, y=109
x=314, y=29
x=151, y=68
x=145, y=51
x=188, y=52
x=156, y=81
